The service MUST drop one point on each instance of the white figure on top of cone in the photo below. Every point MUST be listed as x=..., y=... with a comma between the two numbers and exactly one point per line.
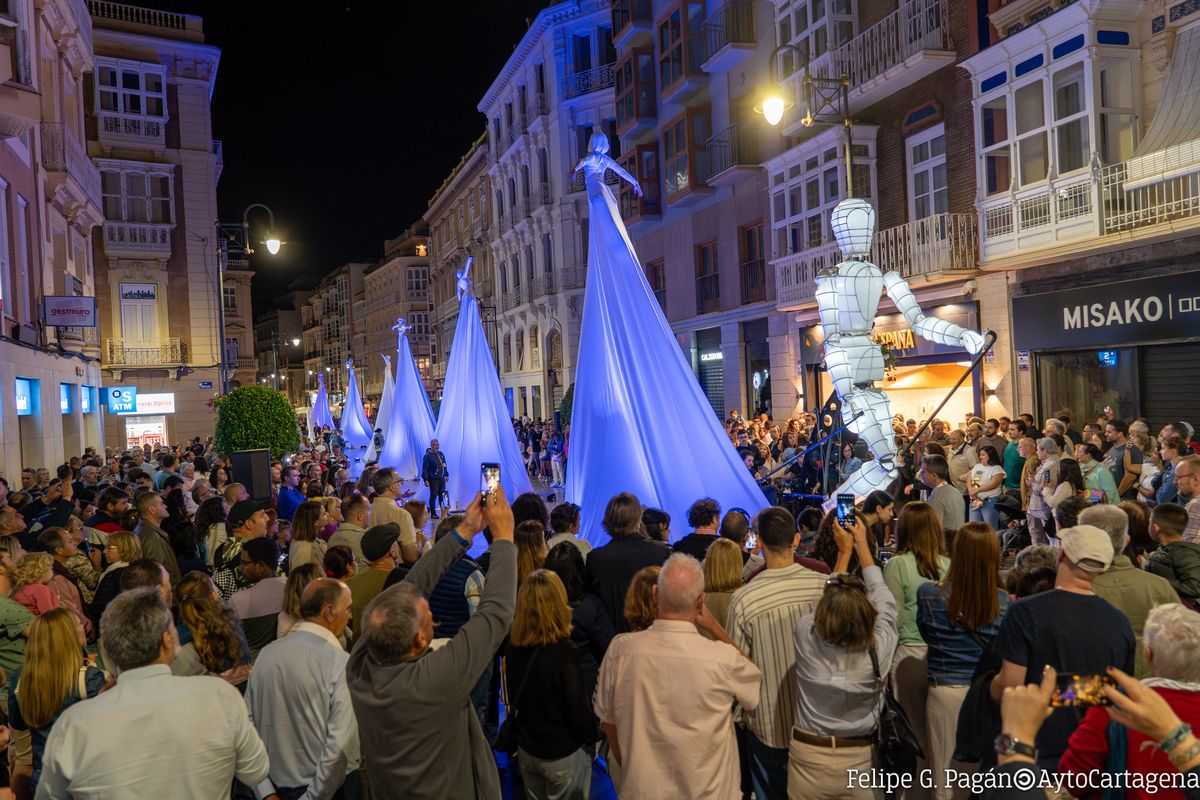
x=848, y=298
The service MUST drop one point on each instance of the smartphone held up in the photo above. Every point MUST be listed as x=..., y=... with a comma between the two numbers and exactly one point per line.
x=489, y=479
x=1074, y=691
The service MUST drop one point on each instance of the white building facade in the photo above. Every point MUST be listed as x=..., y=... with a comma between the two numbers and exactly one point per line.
x=396, y=287
x=555, y=88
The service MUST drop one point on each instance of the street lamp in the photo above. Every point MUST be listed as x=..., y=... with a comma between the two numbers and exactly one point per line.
x=231, y=235
x=275, y=356
x=826, y=100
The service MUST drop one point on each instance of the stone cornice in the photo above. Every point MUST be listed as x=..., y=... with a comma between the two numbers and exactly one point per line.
x=546, y=19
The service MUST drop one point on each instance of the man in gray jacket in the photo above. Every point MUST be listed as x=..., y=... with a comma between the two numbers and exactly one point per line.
x=420, y=735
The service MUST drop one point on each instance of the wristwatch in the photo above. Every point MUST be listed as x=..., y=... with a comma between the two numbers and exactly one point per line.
x=1009, y=745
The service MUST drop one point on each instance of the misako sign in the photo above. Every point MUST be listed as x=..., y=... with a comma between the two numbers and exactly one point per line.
x=1150, y=309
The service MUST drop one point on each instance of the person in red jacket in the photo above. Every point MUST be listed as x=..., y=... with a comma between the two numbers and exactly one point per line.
x=1172, y=639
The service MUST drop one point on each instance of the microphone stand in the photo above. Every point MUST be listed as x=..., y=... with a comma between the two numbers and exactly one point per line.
x=811, y=448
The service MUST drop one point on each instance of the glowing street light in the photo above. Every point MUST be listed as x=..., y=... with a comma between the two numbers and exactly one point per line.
x=272, y=244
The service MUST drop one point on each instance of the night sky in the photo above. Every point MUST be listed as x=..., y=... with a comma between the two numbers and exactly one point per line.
x=345, y=117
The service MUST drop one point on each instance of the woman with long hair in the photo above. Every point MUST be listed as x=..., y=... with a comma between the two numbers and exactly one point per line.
x=591, y=629
x=919, y=559
x=878, y=511
x=333, y=507
x=298, y=579
x=530, y=537
x=181, y=532
x=843, y=648
x=210, y=527
x=123, y=549
x=985, y=482
x=957, y=618
x=219, y=478
x=54, y=676
x=545, y=693
x=722, y=576
x=825, y=546
x=217, y=645
x=307, y=545
x=641, y=608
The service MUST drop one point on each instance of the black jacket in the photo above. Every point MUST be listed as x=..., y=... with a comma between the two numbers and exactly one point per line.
x=433, y=466
x=610, y=570
x=1179, y=563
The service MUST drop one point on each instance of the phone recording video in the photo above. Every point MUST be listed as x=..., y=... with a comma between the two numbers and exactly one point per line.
x=1074, y=691
x=489, y=479
x=845, y=510
x=751, y=540
x=882, y=555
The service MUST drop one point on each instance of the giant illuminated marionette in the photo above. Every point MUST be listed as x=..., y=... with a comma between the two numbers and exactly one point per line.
x=848, y=299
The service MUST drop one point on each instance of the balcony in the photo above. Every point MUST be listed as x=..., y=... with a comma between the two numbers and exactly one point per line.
x=733, y=155
x=71, y=336
x=542, y=195
x=509, y=138
x=729, y=37
x=754, y=281
x=446, y=310
x=118, y=355
x=539, y=106
x=118, y=128
x=1150, y=196
x=632, y=22
x=73, y=177
x=480, y=225
x=588, y=81
x=573, y=277
x=899, y=50
x=513, y=298
x=541, y=285
x=708, y=293
x=933, y=249
x=137, y=240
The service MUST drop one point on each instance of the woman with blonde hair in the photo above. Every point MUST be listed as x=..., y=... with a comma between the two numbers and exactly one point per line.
x=544, y=693
x=123, y=549
x=216, y=643
x=722, y=576
x=919, y=559
x=307, y=545
x=641, y=608
x=298, y=579
x=333, y=507
x=54, y=676
x=530, y=537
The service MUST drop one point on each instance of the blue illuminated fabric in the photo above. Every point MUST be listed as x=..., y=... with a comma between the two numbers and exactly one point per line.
x=321, y=415
x=385, y=411
x=411, y=426
x=473, y=423
x=355, y=428
x=640, y=422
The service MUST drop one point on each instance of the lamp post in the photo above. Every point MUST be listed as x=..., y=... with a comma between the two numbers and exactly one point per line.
x=229, y=236
x=276, y=375
x=826, y=101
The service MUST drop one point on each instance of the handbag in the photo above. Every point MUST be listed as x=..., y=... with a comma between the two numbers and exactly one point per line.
x=506, y=737
x=979, y=716
x=896, y=746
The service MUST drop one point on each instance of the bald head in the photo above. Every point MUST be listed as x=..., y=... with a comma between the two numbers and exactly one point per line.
x=680, y=586
x=326, y=602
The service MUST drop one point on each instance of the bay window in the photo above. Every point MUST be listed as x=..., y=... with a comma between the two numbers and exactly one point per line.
x=131, y=97
x=928, y=193
x=635, y=88
x=1033, y=158
x=685, y=151
x=680, y=45
x=642, y=163
x=1118, y=113
x=137, y=193
x=1071, y=119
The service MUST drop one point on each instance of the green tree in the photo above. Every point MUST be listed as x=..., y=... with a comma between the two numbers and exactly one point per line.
x=254, y=417
x=564, y=407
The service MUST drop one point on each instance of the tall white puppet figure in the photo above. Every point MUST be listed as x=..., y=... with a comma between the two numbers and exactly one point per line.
x=848, y=299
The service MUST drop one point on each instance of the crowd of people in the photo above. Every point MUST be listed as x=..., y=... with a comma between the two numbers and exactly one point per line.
x=324, y=641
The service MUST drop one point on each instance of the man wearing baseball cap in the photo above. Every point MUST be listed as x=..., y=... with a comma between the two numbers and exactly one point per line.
x=248, y=519
x=1068, y=628
x=381, y=547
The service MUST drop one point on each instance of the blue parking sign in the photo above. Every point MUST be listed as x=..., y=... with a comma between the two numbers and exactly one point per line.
x=121, y=399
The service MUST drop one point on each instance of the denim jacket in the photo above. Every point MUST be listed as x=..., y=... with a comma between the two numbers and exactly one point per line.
x=953, y=654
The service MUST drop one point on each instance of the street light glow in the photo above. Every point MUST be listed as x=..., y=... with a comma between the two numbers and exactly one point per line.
x=773, y=110
x=295, y=342
x=272, y=244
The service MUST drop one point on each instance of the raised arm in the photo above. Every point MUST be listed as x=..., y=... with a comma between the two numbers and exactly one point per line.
x=931, y=329
x=625, y=176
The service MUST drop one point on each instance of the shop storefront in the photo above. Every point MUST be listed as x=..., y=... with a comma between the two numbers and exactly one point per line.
x=144, y=415
x=710, y=368
x=1129, y=348
x=758, y=367
x=924, y=372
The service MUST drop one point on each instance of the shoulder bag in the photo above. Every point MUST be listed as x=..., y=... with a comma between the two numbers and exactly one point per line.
x=979, y=716
x=896, y=747
x=506, y=737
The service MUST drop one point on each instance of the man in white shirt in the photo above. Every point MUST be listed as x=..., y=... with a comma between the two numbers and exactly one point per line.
x=300, y=703
x=665, y=696
x=141, y=739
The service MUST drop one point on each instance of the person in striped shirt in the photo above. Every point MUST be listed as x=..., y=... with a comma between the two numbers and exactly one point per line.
x=762, y=622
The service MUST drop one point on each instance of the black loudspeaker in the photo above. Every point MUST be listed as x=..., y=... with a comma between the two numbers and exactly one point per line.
x=252, y=469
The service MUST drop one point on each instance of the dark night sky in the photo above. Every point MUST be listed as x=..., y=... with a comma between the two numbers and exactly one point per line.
x=345, y=117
